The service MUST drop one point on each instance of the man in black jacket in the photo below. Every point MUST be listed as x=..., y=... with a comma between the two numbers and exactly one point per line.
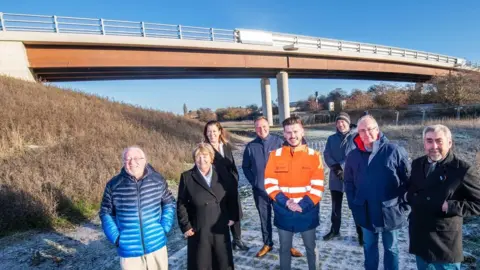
x=442, y=191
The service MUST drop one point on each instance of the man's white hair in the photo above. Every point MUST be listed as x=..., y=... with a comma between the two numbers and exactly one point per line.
x=366, y=117
x=437, y=128
x=134, y=147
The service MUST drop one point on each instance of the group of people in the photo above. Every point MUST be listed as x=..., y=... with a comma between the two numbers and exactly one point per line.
x=385, y=192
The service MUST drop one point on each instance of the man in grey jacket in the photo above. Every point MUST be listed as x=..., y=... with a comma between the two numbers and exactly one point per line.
x=336, y=150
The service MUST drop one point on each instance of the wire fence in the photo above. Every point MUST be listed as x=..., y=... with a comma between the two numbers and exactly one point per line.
x=418, y=115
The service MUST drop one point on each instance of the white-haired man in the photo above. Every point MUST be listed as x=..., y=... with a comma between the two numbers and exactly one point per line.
x=376, y=175
x=443, y=189
x=137, y=212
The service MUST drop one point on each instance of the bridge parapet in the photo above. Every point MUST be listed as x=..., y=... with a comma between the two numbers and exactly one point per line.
x=289, y=42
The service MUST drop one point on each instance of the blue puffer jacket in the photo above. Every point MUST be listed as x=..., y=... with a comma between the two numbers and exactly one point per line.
x=337, y=148
x=255, y=159
x=375, y=183
x=137, y=215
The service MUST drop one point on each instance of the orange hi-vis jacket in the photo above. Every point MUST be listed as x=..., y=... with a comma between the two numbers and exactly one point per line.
x=295, y=173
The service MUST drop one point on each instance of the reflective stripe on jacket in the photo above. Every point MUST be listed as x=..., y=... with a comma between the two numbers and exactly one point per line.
x=295, y=173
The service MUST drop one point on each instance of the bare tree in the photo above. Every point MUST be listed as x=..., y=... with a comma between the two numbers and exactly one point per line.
x=458, y=88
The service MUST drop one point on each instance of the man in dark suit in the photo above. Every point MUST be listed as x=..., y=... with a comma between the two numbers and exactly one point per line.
x=442, y=190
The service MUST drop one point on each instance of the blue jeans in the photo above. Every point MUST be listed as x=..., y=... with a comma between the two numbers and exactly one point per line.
x=423, y=265
x=286, y=239
x=390, y=248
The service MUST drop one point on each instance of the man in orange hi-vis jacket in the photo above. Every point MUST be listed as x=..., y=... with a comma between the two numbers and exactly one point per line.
x=294, y=180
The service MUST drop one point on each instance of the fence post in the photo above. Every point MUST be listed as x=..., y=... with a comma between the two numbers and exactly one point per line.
x=397, y=113
x=458, y=112
x=144, y=32
x=102, y=25
x=212, y=34
x=423, y=117
x=55, y=21
x=2, y=22
x=179, y=29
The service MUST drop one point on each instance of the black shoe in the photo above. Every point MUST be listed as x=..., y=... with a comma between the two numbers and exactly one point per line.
x=239, y=244
x=330, y=236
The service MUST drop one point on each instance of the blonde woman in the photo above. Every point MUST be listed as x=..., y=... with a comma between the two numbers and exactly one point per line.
x=207, y=205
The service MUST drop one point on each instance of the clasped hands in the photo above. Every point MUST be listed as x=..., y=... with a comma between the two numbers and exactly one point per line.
x=293, y=206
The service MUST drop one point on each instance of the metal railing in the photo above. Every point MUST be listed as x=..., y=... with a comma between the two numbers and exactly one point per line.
x=73, y=25
x=281, y=39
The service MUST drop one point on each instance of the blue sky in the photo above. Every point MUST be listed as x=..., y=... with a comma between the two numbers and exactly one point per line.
x=441, y=26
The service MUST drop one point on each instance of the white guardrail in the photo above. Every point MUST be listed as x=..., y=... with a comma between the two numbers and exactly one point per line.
x=72, y=25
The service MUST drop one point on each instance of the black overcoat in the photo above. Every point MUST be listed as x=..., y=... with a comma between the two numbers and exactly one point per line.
x=436, y=236
x=207, y=211
x=228, y=162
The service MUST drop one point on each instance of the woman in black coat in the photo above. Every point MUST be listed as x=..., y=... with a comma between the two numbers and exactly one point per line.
x=214, y=134
x=206, y=206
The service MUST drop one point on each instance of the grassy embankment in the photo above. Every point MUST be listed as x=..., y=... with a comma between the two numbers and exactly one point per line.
x=59, y=147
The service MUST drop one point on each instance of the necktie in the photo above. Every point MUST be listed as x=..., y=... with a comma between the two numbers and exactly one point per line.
x=431, y=168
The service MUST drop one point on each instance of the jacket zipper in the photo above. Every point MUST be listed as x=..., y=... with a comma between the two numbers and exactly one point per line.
x=140, y=216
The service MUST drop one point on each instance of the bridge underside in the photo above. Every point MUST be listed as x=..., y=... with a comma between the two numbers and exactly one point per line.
x=142, y=73
x=80, y=63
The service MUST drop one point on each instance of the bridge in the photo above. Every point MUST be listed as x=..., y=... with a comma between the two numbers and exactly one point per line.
x=57, y=48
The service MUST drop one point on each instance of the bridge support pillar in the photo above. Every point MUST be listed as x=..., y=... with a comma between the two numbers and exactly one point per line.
x=283, y=96
x=267, y=100
x=14, y=60
x=419, y=86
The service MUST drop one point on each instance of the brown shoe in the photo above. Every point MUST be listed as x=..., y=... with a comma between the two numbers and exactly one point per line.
x=265, y=249
x=295, y=253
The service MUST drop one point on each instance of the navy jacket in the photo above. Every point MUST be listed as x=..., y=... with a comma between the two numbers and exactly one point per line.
x=255, y=159
x=137, y=215
x=375, y=184
x=337, y=148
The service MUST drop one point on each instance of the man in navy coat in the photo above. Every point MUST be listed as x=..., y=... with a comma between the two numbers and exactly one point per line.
x=255, y=159
x=376, y=176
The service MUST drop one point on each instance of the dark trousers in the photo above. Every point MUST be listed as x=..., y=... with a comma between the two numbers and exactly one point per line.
x=264, y=207
x=236, y=231
x=235, y=228
x=336, y=218
x=337, y=199
x=286, y=239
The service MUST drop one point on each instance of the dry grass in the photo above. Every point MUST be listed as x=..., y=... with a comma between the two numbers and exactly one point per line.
x=466, y=137
x=59, y=147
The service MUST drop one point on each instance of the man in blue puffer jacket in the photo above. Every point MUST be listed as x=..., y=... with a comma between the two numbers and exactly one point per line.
x=376, y=176
x=137, y=212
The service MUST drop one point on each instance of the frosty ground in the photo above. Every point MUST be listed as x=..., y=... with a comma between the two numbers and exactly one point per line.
x=85, y=247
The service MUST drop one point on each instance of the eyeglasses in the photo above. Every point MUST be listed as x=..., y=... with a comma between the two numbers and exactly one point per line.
x=136, y=159
x=369, y=130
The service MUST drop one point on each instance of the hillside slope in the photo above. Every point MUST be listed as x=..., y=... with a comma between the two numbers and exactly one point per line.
x=59, y=147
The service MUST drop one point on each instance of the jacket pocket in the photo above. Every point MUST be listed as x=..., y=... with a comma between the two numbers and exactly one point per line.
x=452, y=224
x=393, y=216
x=359, y=213
x=281, y=167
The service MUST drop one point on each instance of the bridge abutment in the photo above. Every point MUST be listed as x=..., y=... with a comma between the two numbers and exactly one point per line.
x=267, y=100
x=14, y=60
x=283, y=96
